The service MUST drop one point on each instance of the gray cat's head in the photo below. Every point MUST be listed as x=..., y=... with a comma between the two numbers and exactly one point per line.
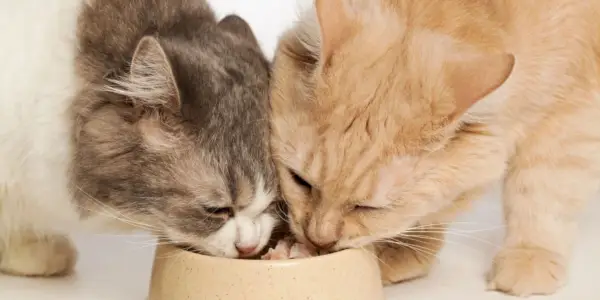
x=180, y=143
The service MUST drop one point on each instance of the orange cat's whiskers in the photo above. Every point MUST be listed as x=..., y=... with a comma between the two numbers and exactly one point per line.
x=450, y=233
x=436, y=232
x=371, y=252
x=474, y=238
x=442, y=228
x=476, y=226
x=421, y=250
x=426, y=239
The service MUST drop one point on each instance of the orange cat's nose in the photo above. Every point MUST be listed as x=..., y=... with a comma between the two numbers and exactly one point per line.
x=320, y=238
x=322, y=245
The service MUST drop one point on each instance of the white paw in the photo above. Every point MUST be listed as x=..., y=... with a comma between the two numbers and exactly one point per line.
x=527, y=271
x=38, y=256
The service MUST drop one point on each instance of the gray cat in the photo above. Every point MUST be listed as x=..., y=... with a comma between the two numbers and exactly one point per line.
x=146, y=111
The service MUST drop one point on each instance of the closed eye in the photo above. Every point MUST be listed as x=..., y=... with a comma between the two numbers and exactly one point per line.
x=300, y=181
x=224, y=212
x=366, y=208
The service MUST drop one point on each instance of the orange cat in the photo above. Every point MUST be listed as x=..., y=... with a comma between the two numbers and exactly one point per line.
x=390, y=116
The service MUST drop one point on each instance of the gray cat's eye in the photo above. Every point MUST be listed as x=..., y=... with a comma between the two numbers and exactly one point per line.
x=220, y=211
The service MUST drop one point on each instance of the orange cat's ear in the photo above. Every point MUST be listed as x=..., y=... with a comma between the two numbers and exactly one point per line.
x=474, y=78
x=336, y=25
x=333, y=23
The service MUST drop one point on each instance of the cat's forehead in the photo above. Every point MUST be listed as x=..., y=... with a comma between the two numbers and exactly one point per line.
x=216, y=182
x=397, y=129
x=364, y=99
x=343, y=172
x=223, y=83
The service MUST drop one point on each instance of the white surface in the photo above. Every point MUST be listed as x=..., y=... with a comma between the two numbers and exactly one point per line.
x=118, y=268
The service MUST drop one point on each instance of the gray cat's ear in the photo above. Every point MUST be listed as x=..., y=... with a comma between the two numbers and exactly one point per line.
x=239, y=27
x=151, y=83
x=152, y=75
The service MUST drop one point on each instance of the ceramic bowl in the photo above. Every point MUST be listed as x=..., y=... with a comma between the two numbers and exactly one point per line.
x=346, y=275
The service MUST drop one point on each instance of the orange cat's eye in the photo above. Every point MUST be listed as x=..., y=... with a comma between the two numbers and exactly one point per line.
x=300, y=181
x=365, y=208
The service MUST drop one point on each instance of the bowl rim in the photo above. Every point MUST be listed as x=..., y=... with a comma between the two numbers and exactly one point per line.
x=266, y=263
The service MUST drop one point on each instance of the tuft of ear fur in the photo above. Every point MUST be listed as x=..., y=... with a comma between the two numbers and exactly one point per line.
x=239, y=27
x=473, y=78
x=151, y=82
x=307, y=32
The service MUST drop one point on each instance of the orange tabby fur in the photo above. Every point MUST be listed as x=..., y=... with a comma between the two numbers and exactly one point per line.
x=390, y=116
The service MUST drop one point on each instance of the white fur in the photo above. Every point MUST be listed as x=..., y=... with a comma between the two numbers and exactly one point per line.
x=36, y=85
x=250, y=228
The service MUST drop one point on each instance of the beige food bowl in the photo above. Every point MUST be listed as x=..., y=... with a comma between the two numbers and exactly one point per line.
x=345, y=275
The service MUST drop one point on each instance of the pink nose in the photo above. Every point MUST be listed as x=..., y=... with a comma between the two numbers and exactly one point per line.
x=246, y=250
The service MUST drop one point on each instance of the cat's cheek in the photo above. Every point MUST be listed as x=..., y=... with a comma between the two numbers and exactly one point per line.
x=367, y=229
x=354, y=234
x=222, y=242
x=297, y=229
x=255, y=233
x=266, y=223
x=299, y=214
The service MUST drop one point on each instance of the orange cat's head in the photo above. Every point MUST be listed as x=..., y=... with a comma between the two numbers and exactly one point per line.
x=361, y=101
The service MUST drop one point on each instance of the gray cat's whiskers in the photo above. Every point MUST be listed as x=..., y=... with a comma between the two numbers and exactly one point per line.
x=119, y=215
x=282, y=215
x=151, y=244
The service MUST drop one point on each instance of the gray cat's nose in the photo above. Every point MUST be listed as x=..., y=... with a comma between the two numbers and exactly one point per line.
x=245, y=250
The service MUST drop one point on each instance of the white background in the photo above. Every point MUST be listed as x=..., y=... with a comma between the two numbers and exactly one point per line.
x=118, y=267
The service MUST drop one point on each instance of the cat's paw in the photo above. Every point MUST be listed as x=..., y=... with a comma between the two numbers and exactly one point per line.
x=527, y=271
x=39, y=256
x=402, y=263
